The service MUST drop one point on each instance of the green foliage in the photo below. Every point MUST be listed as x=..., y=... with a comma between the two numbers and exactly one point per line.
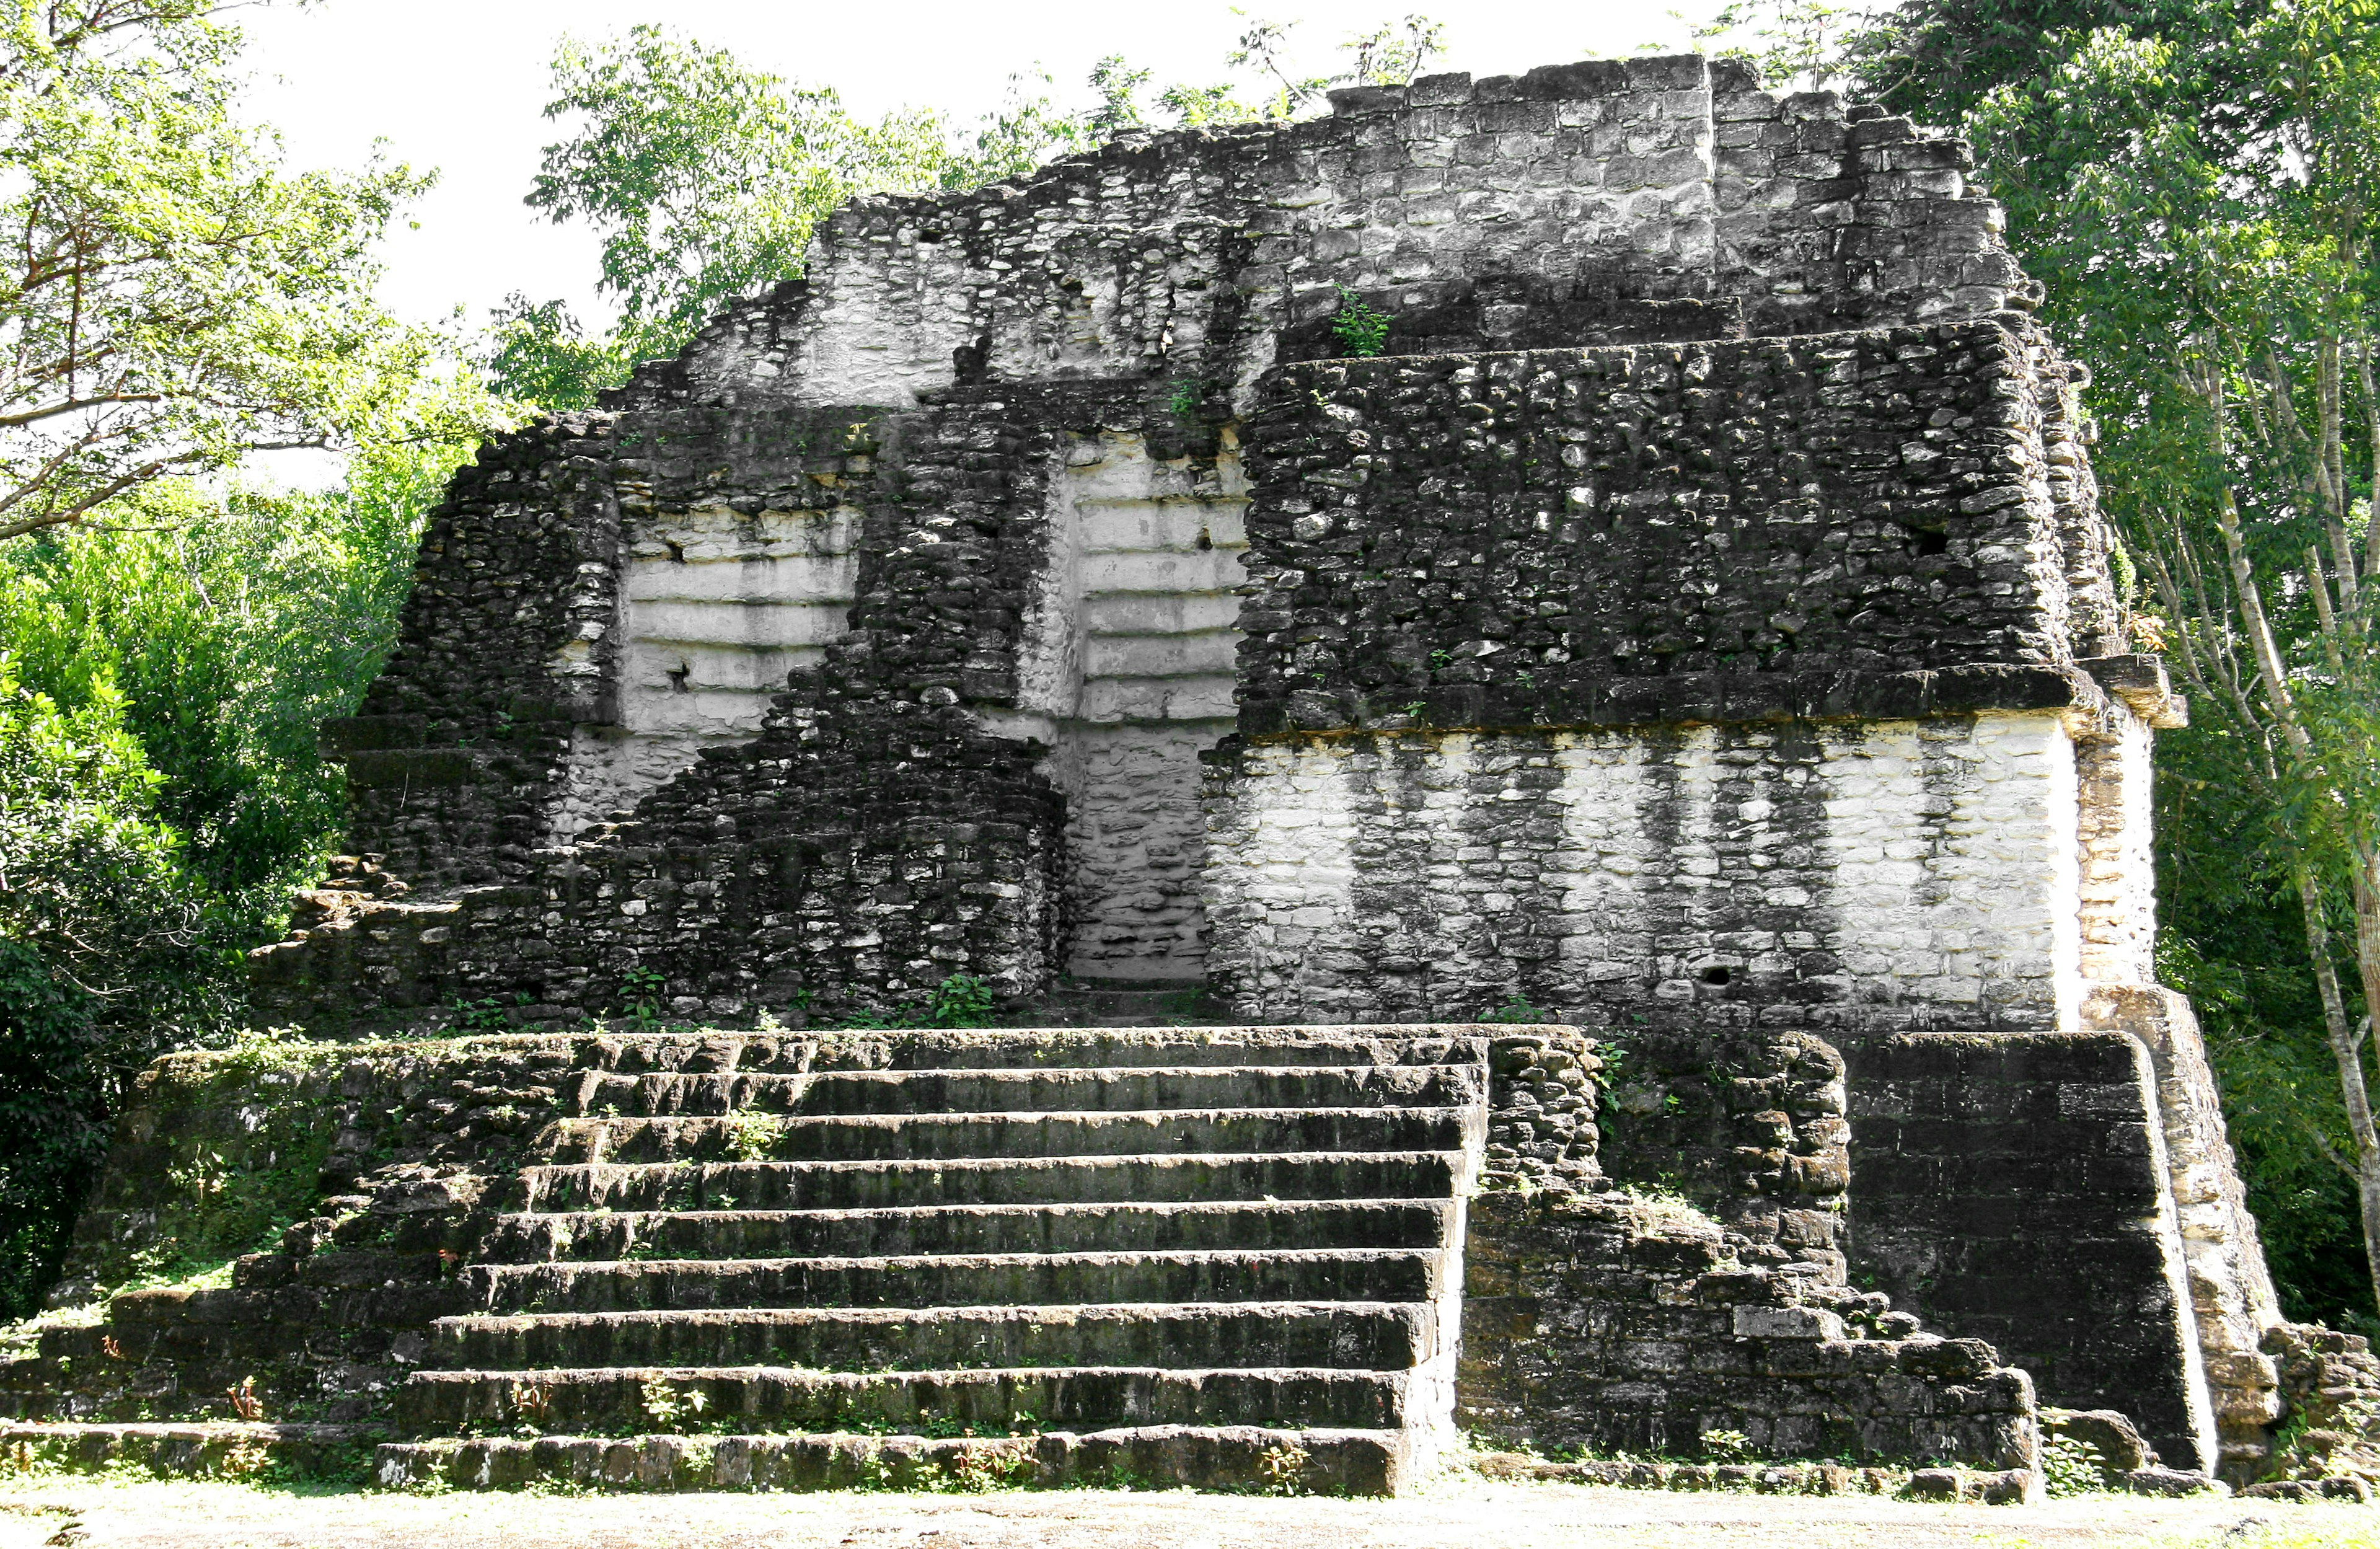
x=1359, y=328
x=753, y=1136
x=90, y=879
x=53, y=1129
x=1029, y=128
x=2070, y=1466
x=640, y=997
x=160, y=791
x=1791, y=44
x=230, y=632
x=960, y=1001
x=705, y=177
x=537, y=353
x=233, y=1173
x=668, y=1406
x=1393, y=52
x=174, y=300
x=1516, y=1008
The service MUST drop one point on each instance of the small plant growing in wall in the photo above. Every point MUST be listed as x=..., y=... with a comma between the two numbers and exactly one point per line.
x=481, y=1016
x=666, y=1405
x=245, y=1403
x=1517, y=1009
x=1358, y=327
x=2070, y=1466
x=960, y=1001
x=640, y=997
x=1727, y=1446
x=532, y=1405
x=753, y=1136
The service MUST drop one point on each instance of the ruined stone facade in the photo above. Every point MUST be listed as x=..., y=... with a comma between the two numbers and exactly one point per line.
x=1695, y=626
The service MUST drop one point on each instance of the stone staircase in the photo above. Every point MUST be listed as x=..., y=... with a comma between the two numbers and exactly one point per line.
x=1209, y=1256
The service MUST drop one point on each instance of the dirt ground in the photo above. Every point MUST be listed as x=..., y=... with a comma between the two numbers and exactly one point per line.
x=96, y=1514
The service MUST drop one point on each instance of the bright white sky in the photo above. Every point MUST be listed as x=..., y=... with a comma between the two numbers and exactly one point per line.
x=458, y=85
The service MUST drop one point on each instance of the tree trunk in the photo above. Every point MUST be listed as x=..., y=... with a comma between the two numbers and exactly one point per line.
x=2347, y=1051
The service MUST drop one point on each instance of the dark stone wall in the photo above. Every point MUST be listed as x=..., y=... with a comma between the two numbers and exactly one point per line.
x=1606, y=1322
x=1604, y=202
x=1749, y=1125
x=873, y=838
x=1855, y=525
x=2007, y=1188
x=457, y=751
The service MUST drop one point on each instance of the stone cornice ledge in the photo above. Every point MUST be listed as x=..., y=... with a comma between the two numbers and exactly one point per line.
x=1685, y=699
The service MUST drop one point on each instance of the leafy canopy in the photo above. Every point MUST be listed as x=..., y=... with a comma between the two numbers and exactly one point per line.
x=704, y=176
x=170, y=300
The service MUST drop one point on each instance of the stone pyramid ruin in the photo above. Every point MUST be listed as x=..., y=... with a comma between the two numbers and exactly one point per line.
x=1648, y=768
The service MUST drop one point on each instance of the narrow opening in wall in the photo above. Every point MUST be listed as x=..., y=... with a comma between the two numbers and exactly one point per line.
x=1716, y=975
x=1923, y=541
x=678, y=675
x=676, y=552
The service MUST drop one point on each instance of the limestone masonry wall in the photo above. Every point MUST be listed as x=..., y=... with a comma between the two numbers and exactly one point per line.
x=1762, y=529
x=2010, y=1188
x=1842, y=877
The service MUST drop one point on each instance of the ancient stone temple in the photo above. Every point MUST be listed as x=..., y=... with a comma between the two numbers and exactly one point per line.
x=1662, y=720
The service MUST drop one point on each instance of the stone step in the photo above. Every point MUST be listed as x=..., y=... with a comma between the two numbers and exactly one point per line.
x=925, y=1136
x=1108, y=1089
x=1123, y=1003
x=788, y=1052
x=1357, y=1336
x=925, y=1229
x=996, y=1181
x=1236, y=1457
x=974, y=1280
x=196, y=1449
x=789, y=1398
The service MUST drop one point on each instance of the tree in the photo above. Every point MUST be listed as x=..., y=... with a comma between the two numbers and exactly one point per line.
x=171, y=301
x=2194, y=184
x=1392, y=54
x=1796, y=45
x=705, y=177
x=537, y=353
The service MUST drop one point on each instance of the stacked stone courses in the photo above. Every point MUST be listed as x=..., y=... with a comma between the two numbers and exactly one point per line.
x=1697, y=630
x=1512, y=540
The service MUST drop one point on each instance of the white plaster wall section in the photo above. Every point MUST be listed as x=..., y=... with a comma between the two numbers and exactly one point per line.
x=1457, y=901
x=1753, y=804
x=1390, y=918
x=1681, y=807
x=886, y=319
x=1607, y=944
x=1050, y=640
x=717, y=609
x=2118, y=875
x=1283, y=868
x=1954, y=873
